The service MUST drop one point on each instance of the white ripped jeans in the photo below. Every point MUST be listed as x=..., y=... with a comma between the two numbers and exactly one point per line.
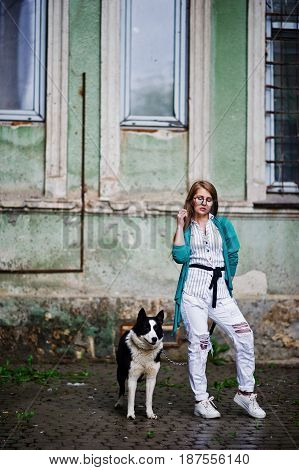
x=195, y=312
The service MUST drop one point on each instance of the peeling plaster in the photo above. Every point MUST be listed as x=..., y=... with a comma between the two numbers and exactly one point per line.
x=252, y=283
x=162, y=134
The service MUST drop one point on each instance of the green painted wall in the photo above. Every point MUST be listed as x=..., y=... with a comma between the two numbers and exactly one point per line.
x=155, y=161
x=39, y=241
x=228, y=97
x=130, y=256
x=21, y=161
x=270, y=246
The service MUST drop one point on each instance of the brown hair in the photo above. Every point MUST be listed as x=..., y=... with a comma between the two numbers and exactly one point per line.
x=189, y=200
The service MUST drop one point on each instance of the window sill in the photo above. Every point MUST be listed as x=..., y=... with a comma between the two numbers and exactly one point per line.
x=153, y=128
x=15, y=123
x=278, y=201
x=158, y=203
x=27, y=204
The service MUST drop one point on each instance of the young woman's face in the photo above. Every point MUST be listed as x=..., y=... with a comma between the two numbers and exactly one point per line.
x=202, y=202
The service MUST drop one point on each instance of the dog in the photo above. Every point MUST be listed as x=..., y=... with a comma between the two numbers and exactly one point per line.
x=138, y=355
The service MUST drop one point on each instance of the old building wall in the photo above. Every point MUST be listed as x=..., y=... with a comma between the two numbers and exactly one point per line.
x=71, y=276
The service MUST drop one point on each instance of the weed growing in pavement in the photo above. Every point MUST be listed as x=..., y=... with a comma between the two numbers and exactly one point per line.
x=257, y=423
x=295, y=418
x=26, y=373
x=25, y=416
x=226, y=383
x=257, y=379
x=77, y=375
x=231, y=382
x=167, y=383
x=220, y=440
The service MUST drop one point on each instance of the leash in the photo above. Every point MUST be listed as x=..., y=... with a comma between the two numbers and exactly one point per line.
x=173, y=362
x=212, y=328
x=185, y=363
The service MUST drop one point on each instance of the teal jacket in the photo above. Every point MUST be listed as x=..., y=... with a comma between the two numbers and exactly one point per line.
x=181, y=255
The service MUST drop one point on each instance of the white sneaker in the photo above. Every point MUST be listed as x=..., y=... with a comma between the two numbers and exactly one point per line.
x=206, y=409
x=249, y=404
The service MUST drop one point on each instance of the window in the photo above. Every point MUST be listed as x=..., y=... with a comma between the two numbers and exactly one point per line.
x=154, y=62
x=22, y=59
x=282, y=95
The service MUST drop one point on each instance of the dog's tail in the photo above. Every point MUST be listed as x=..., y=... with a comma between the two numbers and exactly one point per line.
x=121, y=378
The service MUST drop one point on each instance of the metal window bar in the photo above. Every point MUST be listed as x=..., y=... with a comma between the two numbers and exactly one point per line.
x=282, y=95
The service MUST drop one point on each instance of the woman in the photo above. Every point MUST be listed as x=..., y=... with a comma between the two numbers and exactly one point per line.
x=207, y=246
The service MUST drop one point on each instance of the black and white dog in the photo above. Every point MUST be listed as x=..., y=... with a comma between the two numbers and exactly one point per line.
x=138, y=354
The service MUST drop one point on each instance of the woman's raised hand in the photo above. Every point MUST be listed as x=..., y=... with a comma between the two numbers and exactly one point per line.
x=181, y=217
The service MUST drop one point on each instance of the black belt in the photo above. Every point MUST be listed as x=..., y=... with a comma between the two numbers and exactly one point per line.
x=216, y=274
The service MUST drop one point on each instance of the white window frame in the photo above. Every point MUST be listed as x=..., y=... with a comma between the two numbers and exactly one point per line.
x=198, y=102
x=57, y=100
x=180, y=71
x=256, y=168
x=38, y=113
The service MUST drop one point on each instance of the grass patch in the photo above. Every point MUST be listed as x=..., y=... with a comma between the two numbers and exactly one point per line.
x=167, y=383
x=226, y=383
x=27, y=373
x=25, y=416
x=78, y=376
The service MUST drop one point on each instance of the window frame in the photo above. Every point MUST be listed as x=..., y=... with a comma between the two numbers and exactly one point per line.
x=273, y=186
x=39, y=78
x=256, y=182
x=111, y=132
x=180, y=118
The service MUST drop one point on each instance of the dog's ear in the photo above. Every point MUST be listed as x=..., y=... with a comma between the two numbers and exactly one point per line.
x=141, y=315
x=160, y=316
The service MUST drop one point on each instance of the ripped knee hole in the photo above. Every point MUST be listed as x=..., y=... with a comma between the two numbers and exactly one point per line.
x=242, y=327
x=204, y=342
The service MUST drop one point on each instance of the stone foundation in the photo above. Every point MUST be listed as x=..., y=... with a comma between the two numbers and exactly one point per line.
x=78, y=326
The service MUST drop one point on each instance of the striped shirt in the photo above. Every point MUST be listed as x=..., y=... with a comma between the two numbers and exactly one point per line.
x=205, y=249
